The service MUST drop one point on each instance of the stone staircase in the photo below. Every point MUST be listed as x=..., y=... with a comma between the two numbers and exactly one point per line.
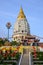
x=25, y=59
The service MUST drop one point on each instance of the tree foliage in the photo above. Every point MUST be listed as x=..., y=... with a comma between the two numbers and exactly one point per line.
x=14, y=43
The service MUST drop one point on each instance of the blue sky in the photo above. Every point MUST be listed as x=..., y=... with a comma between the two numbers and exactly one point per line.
x=33, y=10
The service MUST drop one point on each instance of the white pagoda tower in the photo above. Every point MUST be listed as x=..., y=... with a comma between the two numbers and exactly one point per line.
x=22, y=29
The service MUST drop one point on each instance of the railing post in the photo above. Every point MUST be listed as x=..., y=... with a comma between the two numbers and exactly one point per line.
x=30, y=58
x=20, y=59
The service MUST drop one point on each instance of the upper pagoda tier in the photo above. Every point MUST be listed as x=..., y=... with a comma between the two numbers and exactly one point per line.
x=21, y=25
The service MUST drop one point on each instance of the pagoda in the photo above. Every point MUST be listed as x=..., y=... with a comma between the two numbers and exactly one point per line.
x=21, y=32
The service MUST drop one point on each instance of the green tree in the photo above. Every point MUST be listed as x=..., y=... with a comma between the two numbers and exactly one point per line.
x=5, y=39
x=7, y=43
x=1, y=42
x=14, y=43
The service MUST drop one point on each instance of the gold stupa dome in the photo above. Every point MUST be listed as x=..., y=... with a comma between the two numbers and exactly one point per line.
x=21, y=14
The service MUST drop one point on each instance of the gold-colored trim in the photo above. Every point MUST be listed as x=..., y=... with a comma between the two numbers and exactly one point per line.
x=21, y=14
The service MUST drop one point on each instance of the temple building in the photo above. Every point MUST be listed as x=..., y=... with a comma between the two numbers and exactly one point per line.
x=22, y=30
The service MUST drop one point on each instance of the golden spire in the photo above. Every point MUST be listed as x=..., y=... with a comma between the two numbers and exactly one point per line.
x=21, y=14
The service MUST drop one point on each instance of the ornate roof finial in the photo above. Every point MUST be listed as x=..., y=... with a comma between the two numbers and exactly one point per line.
x=21, y=14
